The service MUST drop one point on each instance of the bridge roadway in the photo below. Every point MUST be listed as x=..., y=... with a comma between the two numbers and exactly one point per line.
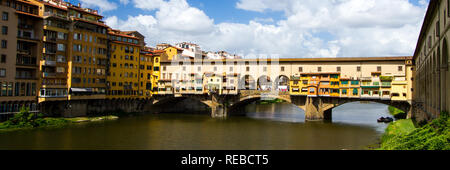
x=316, y=108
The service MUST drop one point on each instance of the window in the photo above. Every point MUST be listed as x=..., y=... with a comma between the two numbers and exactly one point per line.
x=344, y=91
x=319, y=69
x=231, y=69
x=379, y=68
x=437, y=29
x=265, y=69
x=4, y=44
x=61, y=58
x=300, y=69
x=338, y=69
x=164, y=68
x=5, y=16
x=62, y=36
x=358, y=68
x=61, y=47
x=3, y=58
x=282, y=68
x=248, y=68
x=400, y=68
x=2, y=72
x=4, y=30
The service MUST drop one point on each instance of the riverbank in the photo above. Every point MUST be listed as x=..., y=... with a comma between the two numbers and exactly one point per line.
x=9, y=125
x=402, y=135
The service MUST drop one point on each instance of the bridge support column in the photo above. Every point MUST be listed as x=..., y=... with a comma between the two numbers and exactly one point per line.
x=314, y=110
x=219, y=111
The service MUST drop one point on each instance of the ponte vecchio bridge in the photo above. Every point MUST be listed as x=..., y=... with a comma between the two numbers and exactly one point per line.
x=316, y=85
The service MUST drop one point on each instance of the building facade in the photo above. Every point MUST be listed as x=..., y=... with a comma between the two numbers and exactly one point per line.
x=124, y=66
x=432, y=77
x=21, y=45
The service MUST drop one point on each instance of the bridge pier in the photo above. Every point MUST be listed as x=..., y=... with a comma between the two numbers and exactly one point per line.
x=315, y=110
x=219, y=111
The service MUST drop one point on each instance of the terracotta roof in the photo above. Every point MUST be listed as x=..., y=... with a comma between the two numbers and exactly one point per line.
x=82, y=10
x=174, y=47
x=55, y=6
x=91, y=22
x=123, y=35
x=317, y=73
x=338, y=59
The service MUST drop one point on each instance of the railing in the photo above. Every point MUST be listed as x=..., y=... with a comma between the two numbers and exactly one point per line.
x=31, y=61
x=50, y=14
x=24, y=26
x=49, y=63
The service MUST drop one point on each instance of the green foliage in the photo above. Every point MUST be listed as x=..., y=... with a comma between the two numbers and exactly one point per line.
x=386, y=78
x=25, y=119
x=397, y=113
x=433, y=136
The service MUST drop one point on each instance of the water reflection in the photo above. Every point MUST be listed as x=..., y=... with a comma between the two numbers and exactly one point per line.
x=356, y=113
x=267, y=127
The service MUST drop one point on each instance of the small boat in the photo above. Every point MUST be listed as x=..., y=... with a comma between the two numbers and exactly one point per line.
x=385, y=119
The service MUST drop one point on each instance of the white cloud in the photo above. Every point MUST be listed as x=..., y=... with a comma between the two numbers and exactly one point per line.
x=125, y=2
x=104, y=5
x=352, y=27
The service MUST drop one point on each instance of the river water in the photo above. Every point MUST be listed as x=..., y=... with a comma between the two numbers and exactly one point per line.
x=278, y=126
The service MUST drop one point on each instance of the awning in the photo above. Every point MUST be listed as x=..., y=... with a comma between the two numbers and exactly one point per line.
x=80, y=90
x=295, y=89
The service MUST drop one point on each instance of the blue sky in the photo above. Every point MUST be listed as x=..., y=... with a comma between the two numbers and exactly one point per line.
x=291, y=28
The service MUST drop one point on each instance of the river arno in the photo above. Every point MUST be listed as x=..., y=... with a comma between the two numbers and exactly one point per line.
x=266, y=127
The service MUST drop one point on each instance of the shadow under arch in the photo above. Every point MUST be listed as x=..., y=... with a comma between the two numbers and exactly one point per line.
x=401, y=105
x=444, y=77
x=183, y=104
x=238, y=109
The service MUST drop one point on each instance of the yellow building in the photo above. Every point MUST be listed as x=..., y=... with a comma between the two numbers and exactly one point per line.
x=173, y=53
x=53, y=64
x=156, y=72
x=334, y=84
x=148, y=77
x=399, y=88
x=87, y=45
x=123, y=81
x=295, y=85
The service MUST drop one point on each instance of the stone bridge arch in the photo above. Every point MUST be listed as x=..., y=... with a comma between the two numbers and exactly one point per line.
x=203, y=99
x=237, y=106
x=321, y=108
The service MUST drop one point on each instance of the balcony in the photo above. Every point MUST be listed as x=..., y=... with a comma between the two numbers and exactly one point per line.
x=49, y=63
x=27, y=37
x=23, y=52
x=385, y=84
x=26, y=77
x=49, y=51
x=26, y=61
x=52, y=75
x=56, y=15
x=49, y=38
x=24, y=26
